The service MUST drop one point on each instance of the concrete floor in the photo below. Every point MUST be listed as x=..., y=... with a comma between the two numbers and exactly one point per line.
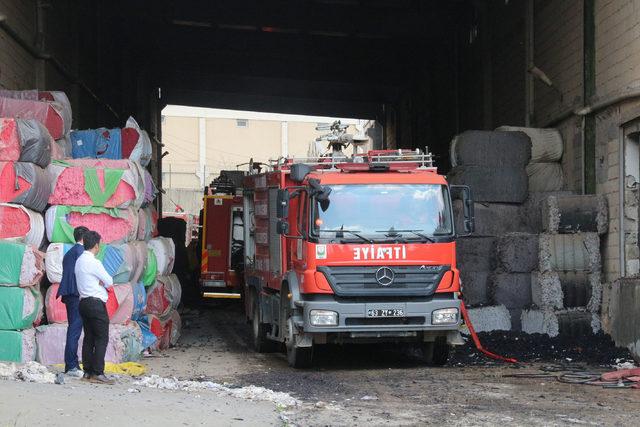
x=348, y=386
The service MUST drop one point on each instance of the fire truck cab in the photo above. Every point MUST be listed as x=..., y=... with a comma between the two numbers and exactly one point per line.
x=352, y=250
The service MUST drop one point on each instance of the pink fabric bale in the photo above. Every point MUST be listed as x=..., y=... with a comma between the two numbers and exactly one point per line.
x=55, y=308
x=45, y=112
x=17, y=222
x=32, y=268
x=112, y=229
x=147, y=223
x=69, y=188
x=124, y=296
x=9, y=140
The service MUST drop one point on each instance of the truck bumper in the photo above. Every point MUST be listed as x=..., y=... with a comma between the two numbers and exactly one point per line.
x=354, y=318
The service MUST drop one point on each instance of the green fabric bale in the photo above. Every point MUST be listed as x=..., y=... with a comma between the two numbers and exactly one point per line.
x=11, y=255
x=19, y=307
x=17, y=346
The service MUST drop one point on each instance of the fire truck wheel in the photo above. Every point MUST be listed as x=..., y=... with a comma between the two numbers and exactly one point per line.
x=298, y=357
x=436, y=353
x=261, y=343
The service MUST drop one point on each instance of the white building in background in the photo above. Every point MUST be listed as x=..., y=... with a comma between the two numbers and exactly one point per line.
x=203, y=141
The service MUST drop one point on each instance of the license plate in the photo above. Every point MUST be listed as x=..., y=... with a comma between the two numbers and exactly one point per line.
x=385, y=312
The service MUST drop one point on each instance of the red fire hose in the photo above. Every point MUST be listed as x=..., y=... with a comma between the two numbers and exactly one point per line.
x=476, y=340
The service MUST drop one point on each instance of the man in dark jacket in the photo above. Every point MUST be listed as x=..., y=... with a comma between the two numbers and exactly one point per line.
x=68, y=291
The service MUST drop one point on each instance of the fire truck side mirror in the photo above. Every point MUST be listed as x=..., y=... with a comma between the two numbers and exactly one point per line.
x=467, y=207
x=282, y=227
x=282, y=210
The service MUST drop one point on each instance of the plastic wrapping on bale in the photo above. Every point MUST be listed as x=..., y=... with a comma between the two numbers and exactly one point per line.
x=150, y=189
x=19, y=307
x=20, y=264
x=125, y=343
x=51, y=340
x=46, y=112
x=151, y=270
x=546, y=144
x=165, y=252
x=139, y=149
x=25, y=140
x=24, y=184
x=101, y=183
x=124, y=297
x=54, y=307
x=58, y=99
x=18, y=346
x=147, y=223
x=20, y=224
x=99, y=143
x=151, y=329
x=113, y=225
x=163, y=296
x=123, y=262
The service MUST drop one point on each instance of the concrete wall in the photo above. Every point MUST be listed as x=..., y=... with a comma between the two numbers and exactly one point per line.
x=226, y=146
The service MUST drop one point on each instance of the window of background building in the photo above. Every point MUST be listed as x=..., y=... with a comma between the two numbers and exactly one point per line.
x=242, y=123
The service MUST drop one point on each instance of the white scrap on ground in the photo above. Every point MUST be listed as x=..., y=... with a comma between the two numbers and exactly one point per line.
x=249, y=392
x=32, y=372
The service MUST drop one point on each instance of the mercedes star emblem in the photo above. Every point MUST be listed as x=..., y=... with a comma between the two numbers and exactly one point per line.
x=385, y=276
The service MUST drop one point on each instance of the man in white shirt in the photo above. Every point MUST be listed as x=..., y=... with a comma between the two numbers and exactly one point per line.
x=92, y=281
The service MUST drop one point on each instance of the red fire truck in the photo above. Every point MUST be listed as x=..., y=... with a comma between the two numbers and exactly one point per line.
x=221, y=237
x=355, y=249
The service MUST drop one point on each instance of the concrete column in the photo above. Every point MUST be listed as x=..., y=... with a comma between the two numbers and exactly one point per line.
x=284, y=139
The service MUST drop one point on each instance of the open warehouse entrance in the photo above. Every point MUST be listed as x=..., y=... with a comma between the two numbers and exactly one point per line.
x=424, y=71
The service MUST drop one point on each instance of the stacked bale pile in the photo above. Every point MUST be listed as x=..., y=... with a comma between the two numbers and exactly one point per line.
x=113, y=197
x=533, y=264
x=25, y=148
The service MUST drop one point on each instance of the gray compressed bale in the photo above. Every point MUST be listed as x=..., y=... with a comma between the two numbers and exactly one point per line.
x=518, y=252
x=504, y=184
x=546, y=290
x=493, y=219
x=540, y=322
x=569, y=252
x=581, y=289
x=475, y=286
x=532, y=208
x=476, y=253
x=493, y=318
x=545, y=177
x=490, y=148
x=575, y=213
x=546, y=143
x=513, y=290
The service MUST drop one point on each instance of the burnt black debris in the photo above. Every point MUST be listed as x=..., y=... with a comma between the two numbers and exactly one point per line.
x=590, y=349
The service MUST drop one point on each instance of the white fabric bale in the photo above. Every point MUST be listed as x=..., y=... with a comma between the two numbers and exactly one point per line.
x=545, y=177
x=165, y=251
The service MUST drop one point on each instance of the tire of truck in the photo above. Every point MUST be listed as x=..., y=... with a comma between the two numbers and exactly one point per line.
x=436, y=353
x=261, y=343
x=297, y=357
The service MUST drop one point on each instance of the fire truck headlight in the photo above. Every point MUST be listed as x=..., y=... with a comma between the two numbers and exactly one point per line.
x=323, y=318
x=444, y=316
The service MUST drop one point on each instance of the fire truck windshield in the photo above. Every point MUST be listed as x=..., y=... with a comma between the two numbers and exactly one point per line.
x=372, y=212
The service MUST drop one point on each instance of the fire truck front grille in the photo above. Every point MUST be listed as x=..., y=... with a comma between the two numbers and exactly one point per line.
x=384, y=280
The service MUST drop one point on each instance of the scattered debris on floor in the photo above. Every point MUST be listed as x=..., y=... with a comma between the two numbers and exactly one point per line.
x=250, y=392
x=29, y=372
x=592, y=349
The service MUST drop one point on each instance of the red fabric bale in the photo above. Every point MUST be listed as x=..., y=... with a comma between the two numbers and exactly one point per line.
x=44, y=112
x=9, y=140
x=129, y=137
x=14, y=222
x=55, y=308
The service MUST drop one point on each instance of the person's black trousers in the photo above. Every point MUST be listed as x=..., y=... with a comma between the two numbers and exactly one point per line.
x=95, y=322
